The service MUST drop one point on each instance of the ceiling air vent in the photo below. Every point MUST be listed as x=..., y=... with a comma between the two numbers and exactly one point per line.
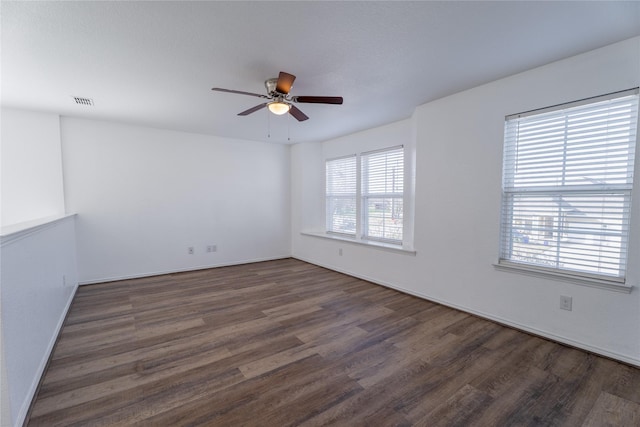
x=83, y=101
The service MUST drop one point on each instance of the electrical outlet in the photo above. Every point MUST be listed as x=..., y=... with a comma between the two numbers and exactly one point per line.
x=565, y=302
x=340, y=251
x=190, y=250
x=212, y=248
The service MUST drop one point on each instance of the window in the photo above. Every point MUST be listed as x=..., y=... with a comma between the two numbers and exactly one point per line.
x=382, y=195
x=365, y=195
x=567, y=182
x=341, y=196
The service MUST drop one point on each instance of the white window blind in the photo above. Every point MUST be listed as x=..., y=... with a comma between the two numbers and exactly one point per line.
x=567, y=182
x=341, y=198
x=382, y=194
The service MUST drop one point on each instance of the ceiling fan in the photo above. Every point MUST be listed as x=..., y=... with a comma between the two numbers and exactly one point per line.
x=279, y=100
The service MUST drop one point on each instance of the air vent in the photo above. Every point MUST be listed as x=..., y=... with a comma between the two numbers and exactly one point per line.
x=83, y=101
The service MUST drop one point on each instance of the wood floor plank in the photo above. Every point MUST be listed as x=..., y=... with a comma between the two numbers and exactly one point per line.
x=374, y=403
x=287, y=343
x=67, y=373
x=624, y=381
x=610, y=410
x=130, y=380
x=515, y=367
x=458, y=410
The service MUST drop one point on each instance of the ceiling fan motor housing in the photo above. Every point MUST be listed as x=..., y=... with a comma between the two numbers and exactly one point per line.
x=270, y=84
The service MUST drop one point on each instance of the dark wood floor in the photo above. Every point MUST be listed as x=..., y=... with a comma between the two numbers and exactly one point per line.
x=287, y=343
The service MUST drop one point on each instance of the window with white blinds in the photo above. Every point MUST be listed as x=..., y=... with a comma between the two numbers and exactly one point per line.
x=567, y=182
x=382, y=194
x=341, y=196
x=365, y=195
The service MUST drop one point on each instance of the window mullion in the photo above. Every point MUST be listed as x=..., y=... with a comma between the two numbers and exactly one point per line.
x=360, y=211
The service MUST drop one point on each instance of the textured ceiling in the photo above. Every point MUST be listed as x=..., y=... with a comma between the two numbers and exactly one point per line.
x=154, y=63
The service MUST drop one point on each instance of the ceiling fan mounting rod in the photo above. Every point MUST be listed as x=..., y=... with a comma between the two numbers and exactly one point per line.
x=270, y=84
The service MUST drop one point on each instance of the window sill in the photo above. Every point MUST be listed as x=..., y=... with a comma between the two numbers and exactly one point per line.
x=377, y=245
x=610, y=285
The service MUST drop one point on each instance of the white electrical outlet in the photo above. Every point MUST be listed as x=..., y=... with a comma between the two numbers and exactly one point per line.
x=190, y=250
x=340, y=251
x=212, y=248
x=565, y=302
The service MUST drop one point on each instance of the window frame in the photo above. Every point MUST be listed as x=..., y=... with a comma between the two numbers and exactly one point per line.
x=605, y=190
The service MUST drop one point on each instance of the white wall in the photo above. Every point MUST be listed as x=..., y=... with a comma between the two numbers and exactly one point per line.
x=38, y=278
x=5, y=404
x=457, y=210
x=307, y=207
x=38, y=271
x=143, y=196
x=31, y=168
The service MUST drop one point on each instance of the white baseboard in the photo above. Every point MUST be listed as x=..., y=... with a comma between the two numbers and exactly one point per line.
x=160, y=273
x=24, y=409
x=544, y=334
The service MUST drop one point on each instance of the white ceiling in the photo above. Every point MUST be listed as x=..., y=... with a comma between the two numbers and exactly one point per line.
x=154, y=63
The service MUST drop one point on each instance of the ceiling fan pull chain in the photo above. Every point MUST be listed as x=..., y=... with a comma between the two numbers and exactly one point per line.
x=288, y=127
x=268, y=124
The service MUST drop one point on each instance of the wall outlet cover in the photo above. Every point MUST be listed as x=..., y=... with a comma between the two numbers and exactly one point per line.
x=566, y=302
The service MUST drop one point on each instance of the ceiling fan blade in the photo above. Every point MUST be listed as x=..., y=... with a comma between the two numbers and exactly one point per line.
x=285, y=81
x=219, y=89
x=253, y=109
x=299, y=115
x=318, y=99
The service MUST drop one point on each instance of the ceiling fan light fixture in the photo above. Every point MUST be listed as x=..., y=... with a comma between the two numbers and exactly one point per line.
x=279, y=108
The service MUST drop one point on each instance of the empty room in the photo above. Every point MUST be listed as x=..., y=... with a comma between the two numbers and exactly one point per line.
x=306, y=213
